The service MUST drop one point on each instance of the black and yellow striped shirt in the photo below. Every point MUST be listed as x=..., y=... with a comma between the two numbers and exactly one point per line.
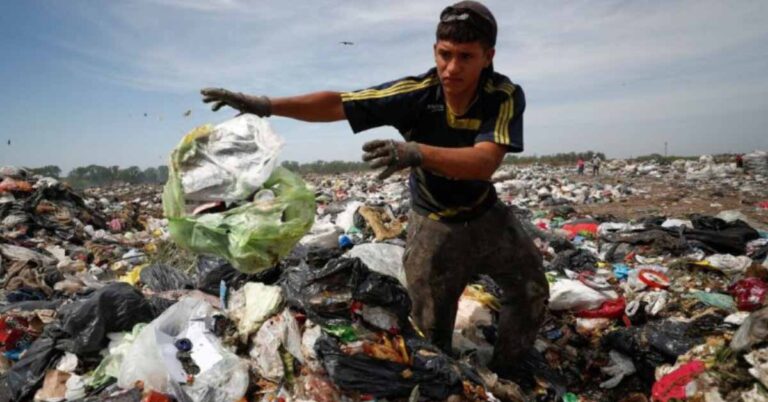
x=416, y=107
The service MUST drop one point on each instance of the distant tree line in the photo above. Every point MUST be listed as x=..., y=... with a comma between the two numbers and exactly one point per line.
x=569, y=158
x=323, y=167
x=96, y=175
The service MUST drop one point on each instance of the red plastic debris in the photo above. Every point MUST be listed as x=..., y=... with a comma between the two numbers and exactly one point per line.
x=749, y=293
x=12, y=332
x=672, y=385
x=763, y=204
x=653, y=278
x=586, y=229
x=609, y=309
x=155, y=396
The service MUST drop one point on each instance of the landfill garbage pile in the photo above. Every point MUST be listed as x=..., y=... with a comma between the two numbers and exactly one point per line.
x=649, y=308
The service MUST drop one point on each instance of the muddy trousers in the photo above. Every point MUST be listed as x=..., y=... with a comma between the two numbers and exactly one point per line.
x=441, y=258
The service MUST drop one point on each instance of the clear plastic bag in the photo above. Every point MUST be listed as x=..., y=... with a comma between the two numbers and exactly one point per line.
x=252, y=236
x=152, y=358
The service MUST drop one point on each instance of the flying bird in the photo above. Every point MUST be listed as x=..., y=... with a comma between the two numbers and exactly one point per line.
x=9, y=142
x=347, y=43
x=187, y=113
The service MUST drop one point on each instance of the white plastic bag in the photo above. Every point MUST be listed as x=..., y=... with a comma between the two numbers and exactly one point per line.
x=253, y=304
x=568, y=294
x=386, y=259
x=237, y=158
x=152, y=358
x=729, y=264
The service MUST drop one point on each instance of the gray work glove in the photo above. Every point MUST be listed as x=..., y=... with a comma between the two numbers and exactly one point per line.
x=394, y=155
x=258, y=105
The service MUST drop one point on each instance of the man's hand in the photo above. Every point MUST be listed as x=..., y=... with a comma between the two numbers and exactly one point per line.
x=258, y=105
x=394, y=155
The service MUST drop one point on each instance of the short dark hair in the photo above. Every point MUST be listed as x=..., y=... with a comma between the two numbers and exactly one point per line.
x=461, y=32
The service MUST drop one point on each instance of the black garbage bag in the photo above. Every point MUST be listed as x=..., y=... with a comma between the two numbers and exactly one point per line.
x=719, y=235
x=81, y=328
x=437, y=375
x=24, y=378
x=114, y=308
x=211, y=270
x=161, y=277
x=575, y=260
x=326, y=294
x=654, y=344
x=661, y=241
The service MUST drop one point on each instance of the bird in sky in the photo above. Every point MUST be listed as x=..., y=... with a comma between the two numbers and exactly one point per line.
x=347, y=43
x=187, y=113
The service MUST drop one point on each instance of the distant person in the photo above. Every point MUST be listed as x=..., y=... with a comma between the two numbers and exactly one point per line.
x=740, y=161
x=458, y=119
x=596, y=165
x=580, y=166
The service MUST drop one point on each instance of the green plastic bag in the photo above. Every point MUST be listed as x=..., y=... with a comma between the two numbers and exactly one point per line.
x=253, y=236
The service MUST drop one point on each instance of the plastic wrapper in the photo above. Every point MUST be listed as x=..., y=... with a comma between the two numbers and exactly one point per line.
x=253, y=236
x=749, y=293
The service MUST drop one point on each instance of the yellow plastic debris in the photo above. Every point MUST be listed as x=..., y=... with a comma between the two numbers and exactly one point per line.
x=132, y=277
x=477, y=292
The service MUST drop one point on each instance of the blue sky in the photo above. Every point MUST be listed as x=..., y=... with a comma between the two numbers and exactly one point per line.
x=620, y=77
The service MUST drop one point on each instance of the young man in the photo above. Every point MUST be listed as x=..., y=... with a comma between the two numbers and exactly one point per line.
x=459, y=120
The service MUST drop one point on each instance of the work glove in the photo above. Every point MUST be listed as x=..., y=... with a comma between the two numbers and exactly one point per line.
x=394, y=155
x=258, y=105
x=621, y=366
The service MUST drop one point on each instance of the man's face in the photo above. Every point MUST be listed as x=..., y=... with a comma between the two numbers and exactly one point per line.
x=459, y=65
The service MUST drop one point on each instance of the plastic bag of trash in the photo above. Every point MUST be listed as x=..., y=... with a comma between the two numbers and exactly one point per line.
x=228, y=162
x=437, y=375
x=327, y=294
x=253, y=236
x=568, y=294
x=153, y=357
x=113, y=308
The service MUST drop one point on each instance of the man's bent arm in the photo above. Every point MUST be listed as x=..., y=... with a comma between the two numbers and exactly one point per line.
x=313, y=107
x=468, y=163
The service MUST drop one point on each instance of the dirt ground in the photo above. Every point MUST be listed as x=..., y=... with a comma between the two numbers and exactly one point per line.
x=677, y=198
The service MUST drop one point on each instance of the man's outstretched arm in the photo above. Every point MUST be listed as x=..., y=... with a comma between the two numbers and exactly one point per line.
x=313, y=107
x=467, y=163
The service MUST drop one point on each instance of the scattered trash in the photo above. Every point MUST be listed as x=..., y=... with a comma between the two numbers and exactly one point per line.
x=98, y=301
